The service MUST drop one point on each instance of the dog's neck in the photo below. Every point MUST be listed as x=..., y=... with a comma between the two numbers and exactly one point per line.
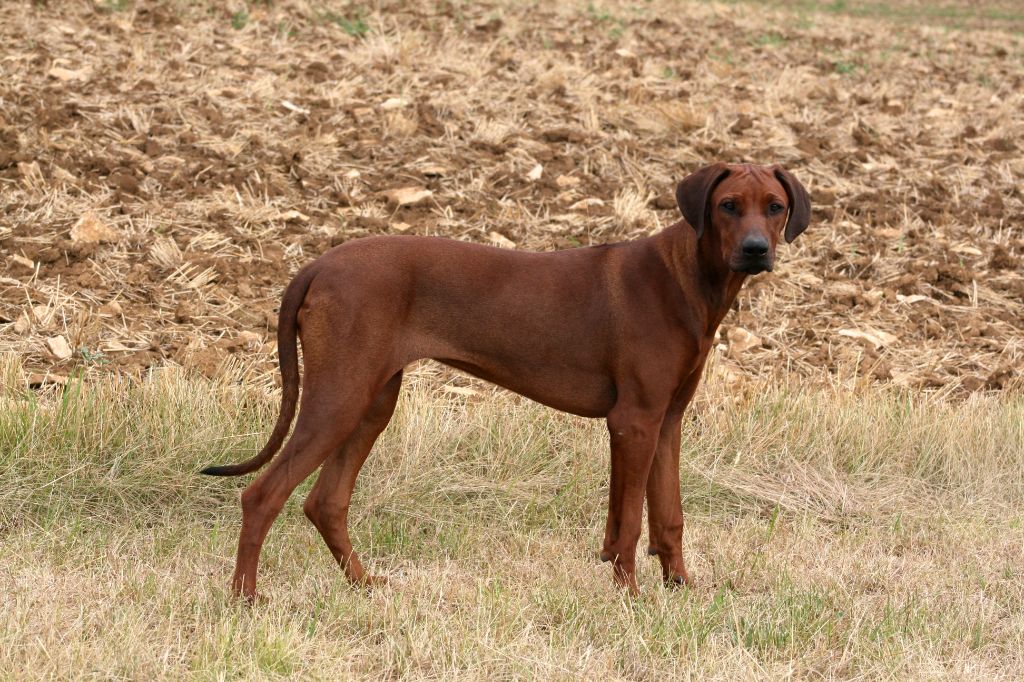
x=698, y=266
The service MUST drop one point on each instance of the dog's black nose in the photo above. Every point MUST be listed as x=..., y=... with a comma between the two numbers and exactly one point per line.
x=755, y=247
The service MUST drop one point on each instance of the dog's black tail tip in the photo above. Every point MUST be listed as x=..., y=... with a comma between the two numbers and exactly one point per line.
x=218, y=471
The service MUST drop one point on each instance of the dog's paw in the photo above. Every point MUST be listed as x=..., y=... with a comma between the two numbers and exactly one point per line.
x=678, y=581
x=626, y=580
x=371, y=582
x=252, y=598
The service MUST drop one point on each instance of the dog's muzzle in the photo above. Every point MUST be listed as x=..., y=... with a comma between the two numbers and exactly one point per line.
x=753, y=256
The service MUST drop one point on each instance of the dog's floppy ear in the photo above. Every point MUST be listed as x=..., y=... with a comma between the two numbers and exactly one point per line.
x=799, y=204
x=694, y=193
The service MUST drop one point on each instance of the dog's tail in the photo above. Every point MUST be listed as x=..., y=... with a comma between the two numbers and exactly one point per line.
x=288, y=359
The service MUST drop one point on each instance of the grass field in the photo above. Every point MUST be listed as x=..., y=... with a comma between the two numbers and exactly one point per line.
x=831, y=534
x=852, y=468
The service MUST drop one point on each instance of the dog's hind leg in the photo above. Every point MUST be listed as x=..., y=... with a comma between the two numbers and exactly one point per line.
x=328, y=415
x=328, y=501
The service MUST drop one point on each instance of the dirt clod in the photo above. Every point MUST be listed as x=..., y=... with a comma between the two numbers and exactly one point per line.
x=90, y=229
x=58, y=347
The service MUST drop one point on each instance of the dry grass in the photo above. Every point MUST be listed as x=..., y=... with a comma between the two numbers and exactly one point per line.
x=226, y=144
x=832, y=534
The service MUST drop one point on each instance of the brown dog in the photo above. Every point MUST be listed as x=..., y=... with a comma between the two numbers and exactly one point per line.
x=618, y=331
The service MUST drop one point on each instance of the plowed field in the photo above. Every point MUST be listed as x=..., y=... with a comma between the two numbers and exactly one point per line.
x=165, y=167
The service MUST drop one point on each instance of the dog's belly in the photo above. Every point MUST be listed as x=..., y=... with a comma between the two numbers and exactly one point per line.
x=581, y=393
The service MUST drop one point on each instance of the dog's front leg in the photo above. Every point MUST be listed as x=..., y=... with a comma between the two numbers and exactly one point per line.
x=634, y=435
x=664, y=504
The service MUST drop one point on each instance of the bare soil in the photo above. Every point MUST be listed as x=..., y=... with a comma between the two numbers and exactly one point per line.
x=165, y=167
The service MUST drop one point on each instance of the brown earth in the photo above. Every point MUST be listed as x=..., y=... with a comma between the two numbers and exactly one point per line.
x=165, y=167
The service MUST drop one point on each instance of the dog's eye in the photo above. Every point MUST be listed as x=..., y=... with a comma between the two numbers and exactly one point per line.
x=729, y=206
x=775, y=208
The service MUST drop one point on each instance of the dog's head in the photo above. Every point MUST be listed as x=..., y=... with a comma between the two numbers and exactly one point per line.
x=748, y=208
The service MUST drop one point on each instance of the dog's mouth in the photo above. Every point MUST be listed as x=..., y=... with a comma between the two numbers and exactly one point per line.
x=752, y=266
